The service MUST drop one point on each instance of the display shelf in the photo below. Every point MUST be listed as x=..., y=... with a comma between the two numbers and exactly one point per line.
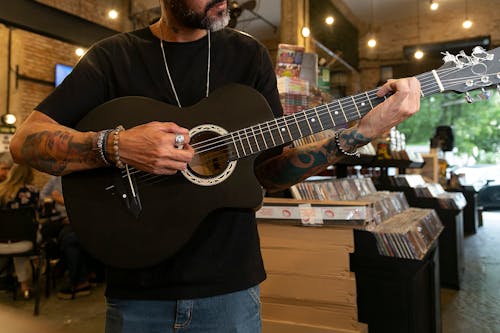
x=451, y=254
x=470, y=211
x=328, y=276
x=407, y=290
x=309, y=286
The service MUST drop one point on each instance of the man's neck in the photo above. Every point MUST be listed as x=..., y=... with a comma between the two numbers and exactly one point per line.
x=171, y=31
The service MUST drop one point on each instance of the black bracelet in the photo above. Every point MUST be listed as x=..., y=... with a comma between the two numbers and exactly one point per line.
x=348, y=153
x=104, y=144
x=100, y=147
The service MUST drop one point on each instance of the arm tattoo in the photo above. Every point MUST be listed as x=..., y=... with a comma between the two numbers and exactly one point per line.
x=295, y=165
x=352, y=139
x=54, y=152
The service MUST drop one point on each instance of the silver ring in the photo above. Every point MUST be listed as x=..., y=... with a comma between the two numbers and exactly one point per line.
x=179, y=141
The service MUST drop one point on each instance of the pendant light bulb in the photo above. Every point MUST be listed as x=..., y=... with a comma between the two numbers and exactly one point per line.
x=9, y=119
x=329, y=20
x=306, y=32
x=372, y=42
x=79, y=52
x=418, y=54
x=467, y=24
x=434, y=5
x=113, y=14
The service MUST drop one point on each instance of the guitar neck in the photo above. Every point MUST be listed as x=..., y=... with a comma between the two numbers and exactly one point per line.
x=279, y=131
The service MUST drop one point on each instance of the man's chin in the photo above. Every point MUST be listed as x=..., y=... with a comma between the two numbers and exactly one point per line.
x=217, y=23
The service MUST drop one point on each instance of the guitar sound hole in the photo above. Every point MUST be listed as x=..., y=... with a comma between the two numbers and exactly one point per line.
x=211, y=157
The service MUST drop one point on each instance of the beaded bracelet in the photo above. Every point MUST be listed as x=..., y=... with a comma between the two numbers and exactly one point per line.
x=100, y=146
x=116, y=134
x=348, y=153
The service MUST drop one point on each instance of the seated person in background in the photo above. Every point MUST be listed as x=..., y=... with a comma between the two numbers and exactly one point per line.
x=5, y=165
x=75, y=259
x=17, y=191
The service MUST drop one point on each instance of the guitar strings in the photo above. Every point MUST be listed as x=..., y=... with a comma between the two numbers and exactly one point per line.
x=300, y=118
x=372, y=94
x=260, y=128
x=427, y=80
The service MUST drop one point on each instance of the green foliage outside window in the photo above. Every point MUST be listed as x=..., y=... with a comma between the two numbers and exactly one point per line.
x=476, y=126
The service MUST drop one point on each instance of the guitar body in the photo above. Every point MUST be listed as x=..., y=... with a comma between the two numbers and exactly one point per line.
x=171, y=208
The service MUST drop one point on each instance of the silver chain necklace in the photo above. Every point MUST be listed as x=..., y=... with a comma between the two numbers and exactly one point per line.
x=168, y=71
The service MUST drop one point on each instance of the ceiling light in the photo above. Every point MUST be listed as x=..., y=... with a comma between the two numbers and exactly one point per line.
x=8, y=119
x=467, y=23
x=113, y=14
x=79, y=52
x=434, y=5
x=329, y=20
x=418, y=54
x=306, y=32
x=372, y=42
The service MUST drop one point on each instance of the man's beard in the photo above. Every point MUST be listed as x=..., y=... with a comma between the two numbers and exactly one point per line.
x=192, y=19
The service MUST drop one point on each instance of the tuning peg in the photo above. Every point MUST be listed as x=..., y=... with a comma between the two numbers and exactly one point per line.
x=485, y=94
x=469, y=98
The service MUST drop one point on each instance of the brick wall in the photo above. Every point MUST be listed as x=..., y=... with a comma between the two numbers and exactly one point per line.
x=93, y=10
x=34, y=56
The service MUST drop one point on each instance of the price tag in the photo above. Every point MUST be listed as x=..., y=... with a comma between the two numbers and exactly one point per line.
x=309, y=215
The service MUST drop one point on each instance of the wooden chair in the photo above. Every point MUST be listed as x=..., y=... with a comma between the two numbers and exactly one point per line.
x=16, y=226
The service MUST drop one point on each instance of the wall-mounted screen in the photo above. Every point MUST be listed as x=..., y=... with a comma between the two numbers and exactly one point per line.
x=61, y=72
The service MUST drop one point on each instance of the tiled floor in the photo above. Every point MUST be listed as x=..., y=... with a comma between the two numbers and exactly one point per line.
x=473, y=309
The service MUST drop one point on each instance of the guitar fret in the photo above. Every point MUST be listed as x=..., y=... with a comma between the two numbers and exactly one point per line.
x=242, y=141
x=354, y=102
x=235, y=147
x=330, y=113
x=368, y=98
x=279, y=130
x=313, y=121
x=309, y=123
x=319, y=119
x=288, y=130
x=248, y=140
x=298, y=125
x=263, y=137
x=342, y=109
x=271, y=133
x=255, y=138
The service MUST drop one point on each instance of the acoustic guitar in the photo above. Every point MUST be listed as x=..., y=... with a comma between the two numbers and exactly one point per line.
x=128, y=218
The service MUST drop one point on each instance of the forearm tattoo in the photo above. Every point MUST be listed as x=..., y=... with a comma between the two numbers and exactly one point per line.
x=352, y=139
x=54, y=152
x=297, y=164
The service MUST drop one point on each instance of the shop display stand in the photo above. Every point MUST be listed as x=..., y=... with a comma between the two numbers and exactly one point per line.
x=451, y=248
x=396, y=295
x=331, y=278
x=471, y=210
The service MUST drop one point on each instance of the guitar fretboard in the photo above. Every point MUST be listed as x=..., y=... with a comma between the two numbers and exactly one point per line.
x=279, y=131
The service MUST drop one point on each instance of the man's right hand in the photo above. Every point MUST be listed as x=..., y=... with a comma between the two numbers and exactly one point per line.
x=151, y=148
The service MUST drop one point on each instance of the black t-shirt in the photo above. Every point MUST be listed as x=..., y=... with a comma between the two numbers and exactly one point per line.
x=224, y=254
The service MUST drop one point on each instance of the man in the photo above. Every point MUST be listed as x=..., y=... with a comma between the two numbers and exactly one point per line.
x=5, y=165
x=211, y=285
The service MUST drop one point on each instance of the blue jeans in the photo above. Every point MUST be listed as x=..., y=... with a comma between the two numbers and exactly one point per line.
x=237, y=312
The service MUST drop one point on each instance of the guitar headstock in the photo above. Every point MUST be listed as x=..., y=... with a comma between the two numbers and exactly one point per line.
x=463, y=73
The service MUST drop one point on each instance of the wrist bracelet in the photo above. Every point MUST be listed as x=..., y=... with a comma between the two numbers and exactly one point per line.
x=348, y=153
x=105, y=153
x=116, y=150
x=100, y=147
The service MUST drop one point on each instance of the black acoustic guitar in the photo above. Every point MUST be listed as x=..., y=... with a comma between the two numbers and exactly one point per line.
x=129, y=218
